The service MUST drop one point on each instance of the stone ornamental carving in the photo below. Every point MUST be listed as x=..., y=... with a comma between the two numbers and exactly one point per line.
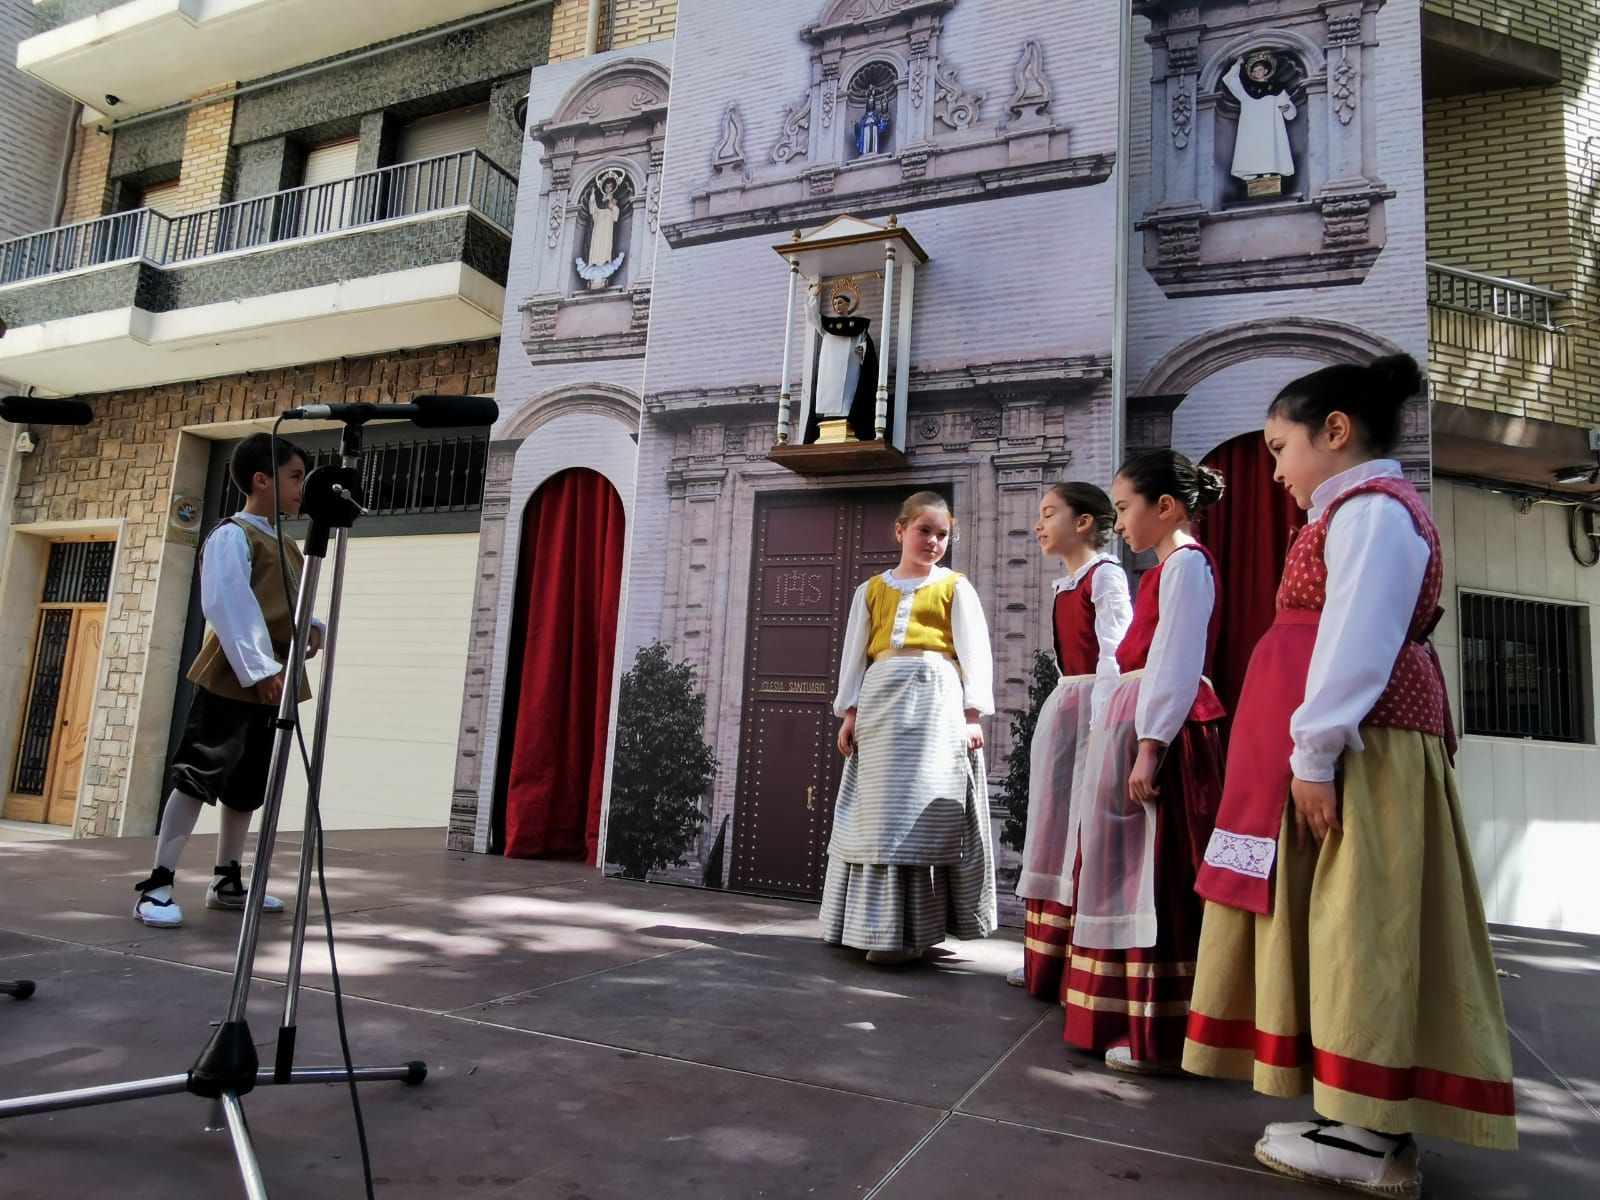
x=1344, y=30
x=1182, y=117
x=886, y=124
x=796, y=137
x=729, y=154
x=1030, y=97
x=1344, y=90
x=956, y=108
x=1263, y=173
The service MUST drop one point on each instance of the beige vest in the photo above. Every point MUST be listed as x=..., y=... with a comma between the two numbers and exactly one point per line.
x=211, y=669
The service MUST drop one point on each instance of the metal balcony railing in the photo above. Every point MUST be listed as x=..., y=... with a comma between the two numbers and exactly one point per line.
x=1491, y=296
x=465, y=179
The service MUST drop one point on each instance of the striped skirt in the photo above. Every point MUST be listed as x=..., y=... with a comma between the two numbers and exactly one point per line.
x=911, y=858
x=1050, y=847
x=1139, y=997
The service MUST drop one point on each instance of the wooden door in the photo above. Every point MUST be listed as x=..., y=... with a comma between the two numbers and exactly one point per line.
x=810, y=553
x=77, y=707
x=48, y=768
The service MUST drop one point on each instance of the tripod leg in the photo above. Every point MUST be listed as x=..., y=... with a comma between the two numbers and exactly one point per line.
x=255, y=1186
x=309, y=839
x=228, y=1060
x=111, y=1093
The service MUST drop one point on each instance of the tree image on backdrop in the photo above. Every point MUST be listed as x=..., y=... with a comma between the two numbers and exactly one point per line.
x=1014, y=788
x=663, y=766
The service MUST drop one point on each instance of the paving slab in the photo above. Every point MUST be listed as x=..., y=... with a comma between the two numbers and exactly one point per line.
x=1051, y=1086
x=503, y=1113
x=785, y=1005
x=1554, y=988
x=973, y=1159
x=592, y=1038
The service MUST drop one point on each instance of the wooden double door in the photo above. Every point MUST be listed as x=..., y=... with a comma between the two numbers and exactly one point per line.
x=69, y=631
x=811, y=551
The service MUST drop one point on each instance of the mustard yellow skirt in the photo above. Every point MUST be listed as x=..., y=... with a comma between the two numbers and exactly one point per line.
x=1371, y=984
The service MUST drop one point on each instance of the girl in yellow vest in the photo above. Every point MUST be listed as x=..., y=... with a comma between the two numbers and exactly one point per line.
x=910, y=859
x=226, y=747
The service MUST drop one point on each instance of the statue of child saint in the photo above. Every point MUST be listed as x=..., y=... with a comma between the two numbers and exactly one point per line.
x=1261, y=149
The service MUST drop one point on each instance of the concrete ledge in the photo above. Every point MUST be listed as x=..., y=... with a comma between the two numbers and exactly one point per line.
x=1459, y=57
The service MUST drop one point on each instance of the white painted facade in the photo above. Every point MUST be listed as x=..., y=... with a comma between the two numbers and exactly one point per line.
x=1532, y=808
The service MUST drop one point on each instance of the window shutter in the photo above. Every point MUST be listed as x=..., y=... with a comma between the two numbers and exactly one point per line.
x=445, y=133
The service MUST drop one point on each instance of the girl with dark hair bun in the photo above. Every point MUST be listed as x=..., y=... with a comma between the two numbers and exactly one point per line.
x=1089, y=615
x=1152, y=777
x=1344, y=950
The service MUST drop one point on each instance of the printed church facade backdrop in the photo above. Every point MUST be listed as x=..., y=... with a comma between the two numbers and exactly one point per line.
x=911, y=205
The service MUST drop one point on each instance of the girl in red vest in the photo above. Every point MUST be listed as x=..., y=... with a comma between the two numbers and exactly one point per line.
x=1152, y=781
x=1089, y=617
x=1344, y=949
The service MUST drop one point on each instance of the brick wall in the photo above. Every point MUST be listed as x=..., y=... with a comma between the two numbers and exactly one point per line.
x=208, y=157
x=1512, y=190
x=623, y=23
x=637, y=21
x=121, y=466
x=88, y=181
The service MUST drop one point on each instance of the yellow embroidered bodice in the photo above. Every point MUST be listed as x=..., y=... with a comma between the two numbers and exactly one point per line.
x=911, y=620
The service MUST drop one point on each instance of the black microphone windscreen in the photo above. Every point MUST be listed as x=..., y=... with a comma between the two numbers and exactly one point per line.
x=441, y=412
x=35, y=410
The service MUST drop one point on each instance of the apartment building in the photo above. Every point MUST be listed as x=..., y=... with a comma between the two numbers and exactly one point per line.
x=262, y=205
x=1512, y=128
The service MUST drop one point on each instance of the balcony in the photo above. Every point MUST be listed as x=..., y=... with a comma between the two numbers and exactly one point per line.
x=151, y=53
x=408, y=255
x=1506, y=396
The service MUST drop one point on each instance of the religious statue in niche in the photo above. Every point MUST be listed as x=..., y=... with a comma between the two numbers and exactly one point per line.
x=1262, y=156
x=607, y=201
x=843, y=403
x=873, y=127
x=872, y=93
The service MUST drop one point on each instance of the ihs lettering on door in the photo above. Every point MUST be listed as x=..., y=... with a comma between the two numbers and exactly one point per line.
x=798, y=589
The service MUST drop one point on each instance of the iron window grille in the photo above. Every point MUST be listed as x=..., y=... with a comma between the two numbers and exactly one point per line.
x=407, y=478
x=1525, y=669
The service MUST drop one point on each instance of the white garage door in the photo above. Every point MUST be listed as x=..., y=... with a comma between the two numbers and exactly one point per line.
x=402, y=661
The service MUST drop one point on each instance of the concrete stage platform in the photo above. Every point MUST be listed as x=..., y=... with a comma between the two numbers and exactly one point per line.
x=591, y=1039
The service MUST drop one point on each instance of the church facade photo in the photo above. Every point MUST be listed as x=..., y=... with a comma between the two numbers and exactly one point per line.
x=772, y=277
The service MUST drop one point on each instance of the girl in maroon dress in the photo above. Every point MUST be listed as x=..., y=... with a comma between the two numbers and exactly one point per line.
x=1344, y=950
x=1152, y=781
x=1089, y=616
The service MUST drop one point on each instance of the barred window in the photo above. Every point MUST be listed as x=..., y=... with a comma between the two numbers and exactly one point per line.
x=415, y=476
x=1525, y=669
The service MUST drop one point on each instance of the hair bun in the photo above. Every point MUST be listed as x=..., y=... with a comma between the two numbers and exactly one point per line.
x=1209, y=485
x=1397, y=378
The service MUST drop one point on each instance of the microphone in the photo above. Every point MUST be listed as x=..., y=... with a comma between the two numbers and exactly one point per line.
x=441, y=412
x=32, y=410
x=426, y=412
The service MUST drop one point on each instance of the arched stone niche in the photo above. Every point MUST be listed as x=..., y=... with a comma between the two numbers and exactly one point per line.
x=610, y=127
x=1203, y=233
x=1313, y=341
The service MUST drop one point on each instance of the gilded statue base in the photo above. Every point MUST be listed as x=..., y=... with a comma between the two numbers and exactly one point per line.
x=830, y=433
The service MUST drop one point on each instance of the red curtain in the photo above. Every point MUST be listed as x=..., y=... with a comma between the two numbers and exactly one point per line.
x=558, y=683
x=1249, y=531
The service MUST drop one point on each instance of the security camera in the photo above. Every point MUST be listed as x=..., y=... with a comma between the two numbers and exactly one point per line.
x=113, y=101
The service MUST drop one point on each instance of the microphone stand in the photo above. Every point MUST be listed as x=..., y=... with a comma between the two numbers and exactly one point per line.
x=227, y=1068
